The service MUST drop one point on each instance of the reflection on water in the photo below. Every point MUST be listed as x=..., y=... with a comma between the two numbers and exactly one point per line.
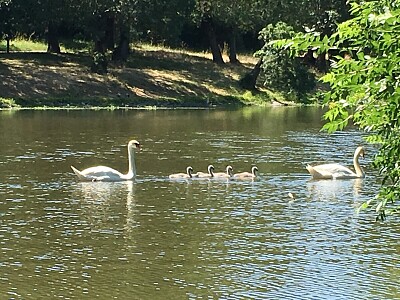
x=153, y=238
x=328, y=190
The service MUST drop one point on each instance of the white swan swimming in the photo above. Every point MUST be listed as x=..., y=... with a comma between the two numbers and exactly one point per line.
x=337, y=171
x=187, y=175
x=209, y=174
x=102, y=173
x=247, y=175
x=227, y=174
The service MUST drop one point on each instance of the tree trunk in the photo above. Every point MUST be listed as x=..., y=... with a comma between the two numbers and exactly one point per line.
x=249, y=80
x=109, y=33
x=99, y=46
x=8, y=44
x=212, y=37
x=121, y=52
x=232, y=49
x=100, y=63
x=53, y=45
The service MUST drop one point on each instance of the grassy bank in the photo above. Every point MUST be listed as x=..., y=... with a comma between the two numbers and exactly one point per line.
x=153, y=76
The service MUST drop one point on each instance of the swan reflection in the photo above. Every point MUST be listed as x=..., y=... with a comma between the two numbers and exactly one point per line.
x=103, y=202
x=328, y=190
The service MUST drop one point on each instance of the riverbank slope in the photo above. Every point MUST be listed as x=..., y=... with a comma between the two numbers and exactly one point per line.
x=152, y=77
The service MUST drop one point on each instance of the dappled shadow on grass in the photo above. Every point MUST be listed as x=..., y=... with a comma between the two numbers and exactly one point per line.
x=163, y=60
x=148, y=78
x=191, y=74
x=44, y=58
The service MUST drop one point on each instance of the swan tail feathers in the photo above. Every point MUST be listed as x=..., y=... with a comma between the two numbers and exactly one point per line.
x=310, y=169
x=78, y=173
x=313, y=172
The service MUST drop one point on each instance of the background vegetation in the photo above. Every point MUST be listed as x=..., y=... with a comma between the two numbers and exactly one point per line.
x=106, y=29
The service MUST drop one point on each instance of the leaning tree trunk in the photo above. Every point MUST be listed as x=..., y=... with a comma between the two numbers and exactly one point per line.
x=53, y=45
x=249, y=80
x=212, y=37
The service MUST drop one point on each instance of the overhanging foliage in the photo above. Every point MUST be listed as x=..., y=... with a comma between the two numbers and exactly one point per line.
x=365, y=85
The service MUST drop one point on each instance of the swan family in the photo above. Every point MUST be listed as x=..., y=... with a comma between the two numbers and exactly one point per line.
x=323, y=171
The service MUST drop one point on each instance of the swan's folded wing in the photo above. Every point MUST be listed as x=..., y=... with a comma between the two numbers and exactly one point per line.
x=101, y=171
x=327, y=170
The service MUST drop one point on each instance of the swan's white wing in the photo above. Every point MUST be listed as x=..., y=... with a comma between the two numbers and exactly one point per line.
x=332, y=168
x=328, y=170
x=101, y=171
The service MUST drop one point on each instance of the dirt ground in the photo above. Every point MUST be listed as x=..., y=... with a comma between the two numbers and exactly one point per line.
x=149, y=77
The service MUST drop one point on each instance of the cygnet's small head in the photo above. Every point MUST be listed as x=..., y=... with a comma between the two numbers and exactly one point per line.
x=134, y=144
x=189, y=171
x=229, y=170
x=254, y=169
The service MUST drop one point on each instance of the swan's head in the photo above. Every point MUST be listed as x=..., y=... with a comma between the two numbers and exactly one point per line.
x=134, y=144
x=210, y=168
x=360, y=151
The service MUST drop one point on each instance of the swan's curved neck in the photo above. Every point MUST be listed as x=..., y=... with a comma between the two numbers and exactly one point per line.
x=357, y=167
x=131, y=160
x=211, y=172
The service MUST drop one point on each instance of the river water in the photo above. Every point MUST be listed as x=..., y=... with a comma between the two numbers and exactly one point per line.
x=154, y=238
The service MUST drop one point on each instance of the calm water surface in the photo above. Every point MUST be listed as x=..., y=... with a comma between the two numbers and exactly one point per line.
x=159, y=239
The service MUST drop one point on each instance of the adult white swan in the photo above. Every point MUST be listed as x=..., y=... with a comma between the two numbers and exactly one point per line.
x=187, y=175
x=337, y=171
x=247, y=175
x=102, y=173
x=209, y=174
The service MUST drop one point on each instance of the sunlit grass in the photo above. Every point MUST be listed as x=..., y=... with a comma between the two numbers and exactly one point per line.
x=246, y=58
x=28, y=45
x=24, y=45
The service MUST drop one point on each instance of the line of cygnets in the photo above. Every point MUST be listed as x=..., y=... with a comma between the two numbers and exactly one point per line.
x=211, y=174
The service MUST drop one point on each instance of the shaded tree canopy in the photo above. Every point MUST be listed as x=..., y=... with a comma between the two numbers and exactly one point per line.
x=189, y=23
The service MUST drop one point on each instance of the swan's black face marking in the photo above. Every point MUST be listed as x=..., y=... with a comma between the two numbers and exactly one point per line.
x=136, y=144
